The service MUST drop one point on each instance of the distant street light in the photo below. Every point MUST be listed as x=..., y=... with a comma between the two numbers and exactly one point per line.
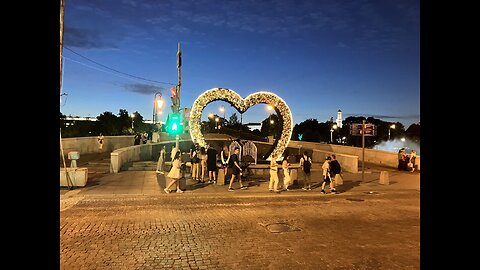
x=390, y=127
x=157, y=106
x=402, y=139
x=222, y=109
x=331, y=132
x=133, y=115
x=271, y=121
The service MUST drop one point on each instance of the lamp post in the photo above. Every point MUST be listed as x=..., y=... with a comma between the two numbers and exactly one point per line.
x=390, y=127
x=270, y=109
x=222, y=109
x=157, y=105
x=133, y=115
x=331, y=132
x=216, y=123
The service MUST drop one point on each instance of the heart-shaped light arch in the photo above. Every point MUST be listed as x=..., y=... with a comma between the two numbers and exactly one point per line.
x=241, y=105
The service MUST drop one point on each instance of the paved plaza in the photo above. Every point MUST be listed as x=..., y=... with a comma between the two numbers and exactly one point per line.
x=126, y=221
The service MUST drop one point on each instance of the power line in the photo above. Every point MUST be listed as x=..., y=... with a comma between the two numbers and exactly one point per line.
x=133, y=76
x=92, y=67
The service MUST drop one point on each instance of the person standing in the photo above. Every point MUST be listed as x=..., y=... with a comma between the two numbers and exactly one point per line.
x=212, y=164
x=326, y=176
x=273, y=184
x=306, y=164
x=237, y=170
x=173, y=152
x=286, y=172
x=335, y=167
x=174, y=174
x=144, y=137
x=194, y=160
x=413, y=156
x=401, y=159
x=100, y=139
x=161, y=159
x=225, y=159
x=136, y=139
x=203, y=163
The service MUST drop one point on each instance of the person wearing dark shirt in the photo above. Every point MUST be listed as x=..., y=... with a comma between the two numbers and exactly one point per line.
x=237, y=170
x=195, y=161
x=335, y=167
x=211, y=164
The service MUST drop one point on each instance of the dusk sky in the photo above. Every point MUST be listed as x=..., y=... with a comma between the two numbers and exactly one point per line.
x=360, y=56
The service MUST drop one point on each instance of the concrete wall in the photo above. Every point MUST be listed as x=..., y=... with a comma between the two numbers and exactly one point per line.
x=85, y=145
x=349, y=163
x=78, y=176
x=348, y=156
x=380, y=157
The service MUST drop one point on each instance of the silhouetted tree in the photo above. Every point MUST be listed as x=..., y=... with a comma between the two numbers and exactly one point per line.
x=107, y=123
x=268, y=128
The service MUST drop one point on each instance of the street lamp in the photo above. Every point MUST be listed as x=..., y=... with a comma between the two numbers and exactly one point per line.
x=331, y=132
x=222, y=109
x=390, y=127
x=157, y=105
x=217, y=126
x=133, y=115
x=270, y=109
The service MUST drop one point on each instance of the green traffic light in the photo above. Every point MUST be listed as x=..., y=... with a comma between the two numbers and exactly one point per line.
x=174, y=124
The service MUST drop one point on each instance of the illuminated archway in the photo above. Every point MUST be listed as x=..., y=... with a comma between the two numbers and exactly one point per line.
x=242, y=105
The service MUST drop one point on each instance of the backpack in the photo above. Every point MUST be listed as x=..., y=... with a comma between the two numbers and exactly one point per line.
x=307, y=164
x=335, y=167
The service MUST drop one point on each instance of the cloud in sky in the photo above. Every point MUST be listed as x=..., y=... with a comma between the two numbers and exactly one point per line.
x=144, y=89
x=364, y=22
x=384, y=116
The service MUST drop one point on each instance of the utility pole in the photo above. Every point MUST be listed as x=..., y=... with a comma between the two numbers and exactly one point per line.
x=62, y=14
x=363, y=150
x=177, y=107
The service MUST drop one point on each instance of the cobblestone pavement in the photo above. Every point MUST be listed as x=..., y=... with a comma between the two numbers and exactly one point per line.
x=354, y=230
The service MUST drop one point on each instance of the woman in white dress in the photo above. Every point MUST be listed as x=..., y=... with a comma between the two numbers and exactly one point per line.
x=286, y=172
x=175, y=174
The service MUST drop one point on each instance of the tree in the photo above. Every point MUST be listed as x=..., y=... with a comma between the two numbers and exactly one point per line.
x=413, y=132
x=124, y=122
x=233, y=120
x=268, y=128
x=138, y=125
x=107, y=124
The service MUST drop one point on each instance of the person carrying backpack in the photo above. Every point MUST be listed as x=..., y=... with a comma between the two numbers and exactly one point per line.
x=306, y=164
x=335, y=167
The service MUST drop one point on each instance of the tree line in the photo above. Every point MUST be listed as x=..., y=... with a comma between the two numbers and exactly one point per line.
x=310, y=130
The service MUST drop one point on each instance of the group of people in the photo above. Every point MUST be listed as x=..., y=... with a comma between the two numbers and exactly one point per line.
x=406, y=162
x=331, y=167
x=205, y=161
x=140, y=138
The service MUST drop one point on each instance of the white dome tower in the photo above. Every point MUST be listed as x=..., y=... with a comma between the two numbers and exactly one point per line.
x=339, y=118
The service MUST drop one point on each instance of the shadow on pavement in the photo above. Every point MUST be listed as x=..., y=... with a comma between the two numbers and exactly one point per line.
x=348, y=185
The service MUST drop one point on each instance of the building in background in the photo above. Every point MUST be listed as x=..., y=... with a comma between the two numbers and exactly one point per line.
x=339, y=118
